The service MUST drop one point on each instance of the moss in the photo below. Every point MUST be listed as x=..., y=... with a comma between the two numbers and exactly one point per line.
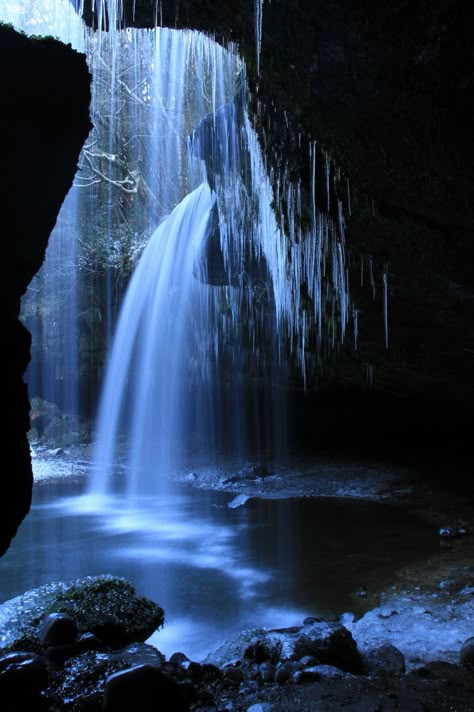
x=105, y=605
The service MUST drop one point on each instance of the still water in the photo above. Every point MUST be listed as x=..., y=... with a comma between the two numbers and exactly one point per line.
x=217, y=569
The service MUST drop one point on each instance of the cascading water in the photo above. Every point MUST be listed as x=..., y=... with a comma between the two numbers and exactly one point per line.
x=169, y=113
x=197, y=326
x=172, y=216
x=149, y=375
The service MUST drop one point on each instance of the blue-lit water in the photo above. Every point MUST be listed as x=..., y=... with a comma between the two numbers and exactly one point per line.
x=213, y=568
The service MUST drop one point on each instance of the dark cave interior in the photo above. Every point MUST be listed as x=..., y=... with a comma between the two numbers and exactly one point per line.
x=387, y=92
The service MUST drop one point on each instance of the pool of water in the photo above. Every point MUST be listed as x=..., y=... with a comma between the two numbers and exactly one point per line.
x=213, y=568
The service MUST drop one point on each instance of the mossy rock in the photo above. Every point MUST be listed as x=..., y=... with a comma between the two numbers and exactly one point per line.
x=105, y=605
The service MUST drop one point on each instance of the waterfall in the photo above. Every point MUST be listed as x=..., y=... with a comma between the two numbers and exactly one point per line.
x=165, y=325
x=194, y=371
x=197, y=367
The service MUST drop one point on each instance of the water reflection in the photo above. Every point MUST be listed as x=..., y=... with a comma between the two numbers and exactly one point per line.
x=213, y=568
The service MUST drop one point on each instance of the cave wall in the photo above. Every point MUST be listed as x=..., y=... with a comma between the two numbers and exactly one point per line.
x=386, y=90
x=45, y=88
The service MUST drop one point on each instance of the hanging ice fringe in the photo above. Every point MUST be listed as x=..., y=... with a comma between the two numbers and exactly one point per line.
x=266, y=286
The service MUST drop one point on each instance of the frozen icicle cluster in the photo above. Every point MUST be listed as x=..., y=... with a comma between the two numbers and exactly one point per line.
x=169, y=111
x=316, y=306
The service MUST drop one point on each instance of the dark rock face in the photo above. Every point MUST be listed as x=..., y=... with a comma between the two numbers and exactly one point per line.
x=44, y=123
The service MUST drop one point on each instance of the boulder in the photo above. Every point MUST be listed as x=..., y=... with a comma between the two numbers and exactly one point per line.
x=385, y=660
x=105, y=606
x=143, y=687
x=329, y=643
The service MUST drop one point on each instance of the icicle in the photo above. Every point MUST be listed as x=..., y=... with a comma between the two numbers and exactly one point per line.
x=258, y=30
x=348, y=196
x=355, y=317
x=341, y=289
x=385, y=306
x=312, y=156
x=369, y=374
x=303, y=346
x=327, y=166
x=372, y=280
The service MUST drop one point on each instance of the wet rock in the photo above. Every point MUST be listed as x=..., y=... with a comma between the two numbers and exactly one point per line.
x=307, y=675
x=327, y=671
x=266, y=672
x=57, y=629
x=453, y=532
x=180, y=659
x=110, y=608
x=238, y=501
x=23, y=678
x=385, y=660
x=285, y=670
x=262, y=649
x=262, y=707
x=253, y=472
x=203, y=673
x=312, y=619
x=331, y=643
x=143, y=687
x=440, y=669
x=466, y=654
x=88, y=641
x=248, y=472
x=138, y=654
x=308, y=661
x=318, y=672
x=233, y=673
x=106, y=606
x=41, y=414
x=81, y=679
x=58, y=654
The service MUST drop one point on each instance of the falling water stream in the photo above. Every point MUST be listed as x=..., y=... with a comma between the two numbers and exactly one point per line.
x=172, y=212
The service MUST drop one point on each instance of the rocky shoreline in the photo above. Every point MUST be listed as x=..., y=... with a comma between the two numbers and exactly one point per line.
x=81, y=646
x=409, y=648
